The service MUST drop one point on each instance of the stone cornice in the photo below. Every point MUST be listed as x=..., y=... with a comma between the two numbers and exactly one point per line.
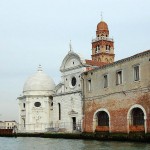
x=66, y=93
x=143, y=89
x=31, y=96
x=72, y=68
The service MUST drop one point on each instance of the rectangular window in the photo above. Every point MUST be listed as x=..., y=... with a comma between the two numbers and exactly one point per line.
x=59, y=111
x=24, y=105
x=105, y=81
x=89, y=85
x=119, y=77
x=136, y=73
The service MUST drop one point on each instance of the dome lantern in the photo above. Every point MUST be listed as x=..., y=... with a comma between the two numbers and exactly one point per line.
x=39, y=68
x=102, y=29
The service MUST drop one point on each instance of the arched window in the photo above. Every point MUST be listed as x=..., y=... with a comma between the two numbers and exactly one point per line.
x=59, y=111
x=103, y=118
x=107, y=48
x=137, y=116
x=97, y=49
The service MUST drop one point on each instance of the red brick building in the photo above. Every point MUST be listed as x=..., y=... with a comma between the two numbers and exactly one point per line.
x=116, y=95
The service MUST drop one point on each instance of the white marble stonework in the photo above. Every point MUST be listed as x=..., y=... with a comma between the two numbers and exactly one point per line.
x=45, y=107
x=67, y=100
x=34, y=104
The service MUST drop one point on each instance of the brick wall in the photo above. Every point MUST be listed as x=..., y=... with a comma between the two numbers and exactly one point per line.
x=118, y=107
x=6, y=131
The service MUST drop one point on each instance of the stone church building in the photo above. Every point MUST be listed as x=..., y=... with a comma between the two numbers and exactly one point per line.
x=93, y=95
x=45, y=106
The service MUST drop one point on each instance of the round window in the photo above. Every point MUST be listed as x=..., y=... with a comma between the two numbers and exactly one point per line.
x=73, y=81
x=37, y=104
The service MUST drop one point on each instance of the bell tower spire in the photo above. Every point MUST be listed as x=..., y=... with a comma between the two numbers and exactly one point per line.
x=101, y=16
x=103, y=45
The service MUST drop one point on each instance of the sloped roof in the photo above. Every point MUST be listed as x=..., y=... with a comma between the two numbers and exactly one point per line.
x=146, y=52
x=95, y=63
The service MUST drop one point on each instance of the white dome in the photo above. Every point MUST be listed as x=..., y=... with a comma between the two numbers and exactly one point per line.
x=39, y=82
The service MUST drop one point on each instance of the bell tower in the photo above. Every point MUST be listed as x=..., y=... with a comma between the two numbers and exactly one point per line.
x=102, y=45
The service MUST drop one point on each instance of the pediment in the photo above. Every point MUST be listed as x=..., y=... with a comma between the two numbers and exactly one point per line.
x=71, y=61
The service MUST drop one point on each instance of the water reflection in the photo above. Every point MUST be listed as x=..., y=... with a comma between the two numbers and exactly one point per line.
x=66, y=144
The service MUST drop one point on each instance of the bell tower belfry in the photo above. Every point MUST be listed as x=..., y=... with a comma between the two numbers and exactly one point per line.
x=102, y=45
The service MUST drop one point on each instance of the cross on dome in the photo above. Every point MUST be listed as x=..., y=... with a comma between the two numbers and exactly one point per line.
x=70, y=47
x=101, y=16
x=39, y=68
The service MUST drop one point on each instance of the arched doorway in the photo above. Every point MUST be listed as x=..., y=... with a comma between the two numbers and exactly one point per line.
x=137, y=119
x=101, y=121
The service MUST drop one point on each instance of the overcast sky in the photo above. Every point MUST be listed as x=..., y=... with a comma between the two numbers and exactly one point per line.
x=34, y=32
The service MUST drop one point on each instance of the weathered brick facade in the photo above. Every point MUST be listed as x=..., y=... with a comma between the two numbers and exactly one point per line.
x=120, y=100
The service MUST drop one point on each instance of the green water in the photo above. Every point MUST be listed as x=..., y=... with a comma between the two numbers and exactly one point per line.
x=26, y=143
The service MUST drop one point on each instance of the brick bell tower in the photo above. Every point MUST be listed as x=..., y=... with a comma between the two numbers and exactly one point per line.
x=102, y=45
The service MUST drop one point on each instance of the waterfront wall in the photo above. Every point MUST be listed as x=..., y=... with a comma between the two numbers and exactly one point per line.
x=138, y=137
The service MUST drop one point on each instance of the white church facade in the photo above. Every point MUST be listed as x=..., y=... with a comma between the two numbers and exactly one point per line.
x=45, y=106
x=67, y=100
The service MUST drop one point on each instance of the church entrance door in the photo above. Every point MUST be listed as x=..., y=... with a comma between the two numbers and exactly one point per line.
x=74, y=123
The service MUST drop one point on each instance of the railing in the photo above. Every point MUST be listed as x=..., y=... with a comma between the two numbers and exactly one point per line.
x=102, y=38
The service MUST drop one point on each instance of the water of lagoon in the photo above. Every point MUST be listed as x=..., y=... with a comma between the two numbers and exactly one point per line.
x=29, y=143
